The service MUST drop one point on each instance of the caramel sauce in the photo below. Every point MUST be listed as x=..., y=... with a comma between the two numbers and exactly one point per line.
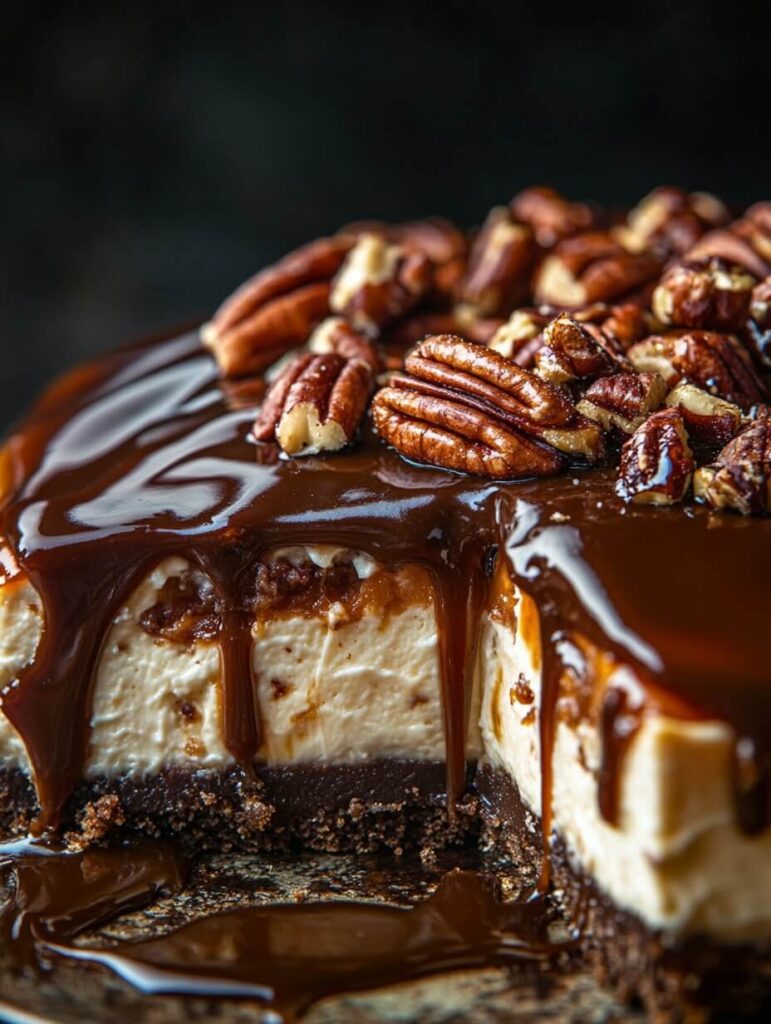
x=141, y=456
x=283, y=956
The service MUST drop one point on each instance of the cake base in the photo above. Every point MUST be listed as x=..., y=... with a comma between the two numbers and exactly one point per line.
x=354, y=808
x=697, y=979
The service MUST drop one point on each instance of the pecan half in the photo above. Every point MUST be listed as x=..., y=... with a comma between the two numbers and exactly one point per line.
x=718, y=363
x=449, y=370
x=740, y=478
x=591, y=267
x=336, y=335
x=708, y=419
x=274, y=310
x=708, y=294
x=670, y=221
x=550, y=215
x=746, y=242
x=623, y=400
x=757, y=333
x=315, y=404
x=499, y=267
x=571, y=352
x=656, y=462
x=379, y=282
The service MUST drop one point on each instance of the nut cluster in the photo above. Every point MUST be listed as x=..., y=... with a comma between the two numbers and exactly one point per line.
x=553, y=335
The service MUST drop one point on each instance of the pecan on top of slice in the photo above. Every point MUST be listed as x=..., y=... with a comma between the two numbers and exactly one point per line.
x=740, y=478
x=718, y=363
x=550, y=215
x=656, y=462
x=464, y=407
x=707, y=294
x=315, y=404
x=274, y=310
x=669, y=221
x=499, y=267
x=379, y=282
x=592, y=267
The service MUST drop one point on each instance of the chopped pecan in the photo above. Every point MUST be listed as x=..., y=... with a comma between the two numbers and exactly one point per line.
x=275, y=310
x=591, y=267
x=379, y=282
x=625, y=324
x=336, y=335
x=521, y=336
x=670, y=221
x=656, y=462
x=718, y=363
x=757, y=333
x=707, y=294
x=499, y=267
x=708, y=419
x=438, y=239
x=623, y=400
x=571, y=351
x=315, y=404
x=746, y=242
x=550, y=215
x=740, y=478
x=489, y=389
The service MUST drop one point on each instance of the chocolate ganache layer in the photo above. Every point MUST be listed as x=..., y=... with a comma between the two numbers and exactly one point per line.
x=143, y=454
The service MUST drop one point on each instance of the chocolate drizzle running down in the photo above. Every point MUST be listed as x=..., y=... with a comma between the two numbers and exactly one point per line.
x=285, y=956
x=141, y=456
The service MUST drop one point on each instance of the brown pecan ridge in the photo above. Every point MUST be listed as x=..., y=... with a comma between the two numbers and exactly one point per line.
x=746, y=242
x=550, y=215
x=740, y=477
x=670, y=221
x=592, y=267
x=707, y=294
x=379, y=282
x=499, y=267
x=656, y=462
x=274, y=310
x=623, y=400
x=708, y=419
x=718, y=363
x=475, y=397
x=572, y=351
x=335, y=334
x=315, y=404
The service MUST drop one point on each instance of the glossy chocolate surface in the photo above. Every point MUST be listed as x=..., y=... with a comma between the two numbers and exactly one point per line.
x=141, y=456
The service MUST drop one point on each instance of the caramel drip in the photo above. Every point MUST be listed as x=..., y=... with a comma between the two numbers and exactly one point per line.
x=286, y=956
x=141, y=456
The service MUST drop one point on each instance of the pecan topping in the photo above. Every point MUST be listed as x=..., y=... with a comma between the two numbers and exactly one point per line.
x=718, y=363
x=550, y=215
x=708, y=419
x=591, y=267
x=484, y=412
x=336, y=335
x=740, y=478
x=656, y=462
x=669, y=221
x=757, y=333
x=379, y=282
x=275, y=310
x=499, y=267
x=623, y=400
x=571, y=352
x=708, y=294
x=315, y=404
x=746, y=242
x=521, y=336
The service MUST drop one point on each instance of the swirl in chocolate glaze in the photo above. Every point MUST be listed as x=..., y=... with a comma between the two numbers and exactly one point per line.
x=141, y=456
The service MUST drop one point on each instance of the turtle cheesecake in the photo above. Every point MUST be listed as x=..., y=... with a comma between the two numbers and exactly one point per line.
x=427, y=538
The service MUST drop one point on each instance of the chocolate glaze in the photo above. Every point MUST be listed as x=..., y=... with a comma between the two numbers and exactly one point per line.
x=141, y=456
x=285, y=956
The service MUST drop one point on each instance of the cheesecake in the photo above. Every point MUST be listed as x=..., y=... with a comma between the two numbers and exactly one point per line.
x=426, y=539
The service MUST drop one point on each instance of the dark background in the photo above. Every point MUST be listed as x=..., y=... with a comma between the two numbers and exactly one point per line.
x=154, y=157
